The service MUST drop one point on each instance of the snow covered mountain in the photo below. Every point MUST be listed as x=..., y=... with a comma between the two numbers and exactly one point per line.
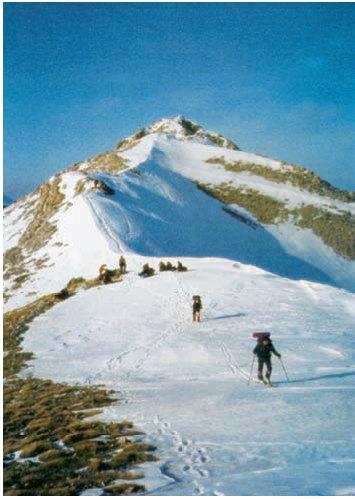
x=269, y=246
x=174, y=188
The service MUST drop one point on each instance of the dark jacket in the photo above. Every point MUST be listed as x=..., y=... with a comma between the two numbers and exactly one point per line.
x=196, y=305
x=264, y=352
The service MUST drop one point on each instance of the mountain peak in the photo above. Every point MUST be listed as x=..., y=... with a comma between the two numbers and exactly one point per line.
x=175, y=125
x=180, y=128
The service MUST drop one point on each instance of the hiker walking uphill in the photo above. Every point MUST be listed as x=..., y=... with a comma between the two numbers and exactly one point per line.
x=196, y=308
x=122, y=263
x=263, y=351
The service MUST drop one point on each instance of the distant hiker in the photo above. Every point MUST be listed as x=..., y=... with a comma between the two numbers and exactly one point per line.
x=102, y=271
x=122, y=264
x=104, y=274
x=162, y=267
x=146, y=271
x=196, y=308
x=180, y=267
x=169, y=266
x=263, y=351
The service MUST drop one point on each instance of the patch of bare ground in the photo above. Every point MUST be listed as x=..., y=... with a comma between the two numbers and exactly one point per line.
x=41, y=207
x=52, y=443
x=107, y=162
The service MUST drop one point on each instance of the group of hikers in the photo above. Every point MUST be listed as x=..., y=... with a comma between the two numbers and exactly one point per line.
x=264, y=347
x=148, y=271
x=106, y=275
x=163, y=267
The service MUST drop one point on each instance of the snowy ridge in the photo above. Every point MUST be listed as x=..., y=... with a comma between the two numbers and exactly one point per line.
x=156, y=210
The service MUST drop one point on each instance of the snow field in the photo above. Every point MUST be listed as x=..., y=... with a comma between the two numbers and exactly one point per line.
x=185, y=384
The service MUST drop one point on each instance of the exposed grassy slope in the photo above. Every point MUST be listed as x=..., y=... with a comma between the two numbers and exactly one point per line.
x=108, y=162
x=46, y=202
x=295, y=175
x=265, y=208
x=125, y=144
x=47, y=425
x=337, y=230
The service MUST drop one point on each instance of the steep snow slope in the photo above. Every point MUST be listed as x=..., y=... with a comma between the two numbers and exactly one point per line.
x=70, y=225
x=185, y=384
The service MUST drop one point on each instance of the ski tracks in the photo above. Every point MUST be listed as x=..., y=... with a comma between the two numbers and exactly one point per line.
x=175, y=302
x=232, y=364
x=234, y=367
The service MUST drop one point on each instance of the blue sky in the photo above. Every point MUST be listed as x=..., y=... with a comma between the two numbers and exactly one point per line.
x=276, y=78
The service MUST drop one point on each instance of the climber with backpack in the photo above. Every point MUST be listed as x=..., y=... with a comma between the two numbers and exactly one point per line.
x=196, y=308
x=263, y=350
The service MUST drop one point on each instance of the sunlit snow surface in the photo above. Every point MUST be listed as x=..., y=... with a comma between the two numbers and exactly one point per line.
x=157, y=210
x=185, y=384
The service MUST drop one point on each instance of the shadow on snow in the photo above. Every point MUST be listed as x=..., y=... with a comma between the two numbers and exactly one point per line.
x=161, y=213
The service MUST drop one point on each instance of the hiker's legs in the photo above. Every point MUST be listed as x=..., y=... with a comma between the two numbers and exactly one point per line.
x=194, y=313
x=268, y=368
x=260, y=368
x=198, y=316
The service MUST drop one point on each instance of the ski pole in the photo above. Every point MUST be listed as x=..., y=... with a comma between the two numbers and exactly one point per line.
x=251, y=370
x=288, y=379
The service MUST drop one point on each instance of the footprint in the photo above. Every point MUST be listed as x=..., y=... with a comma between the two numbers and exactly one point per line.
x=199, y=489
